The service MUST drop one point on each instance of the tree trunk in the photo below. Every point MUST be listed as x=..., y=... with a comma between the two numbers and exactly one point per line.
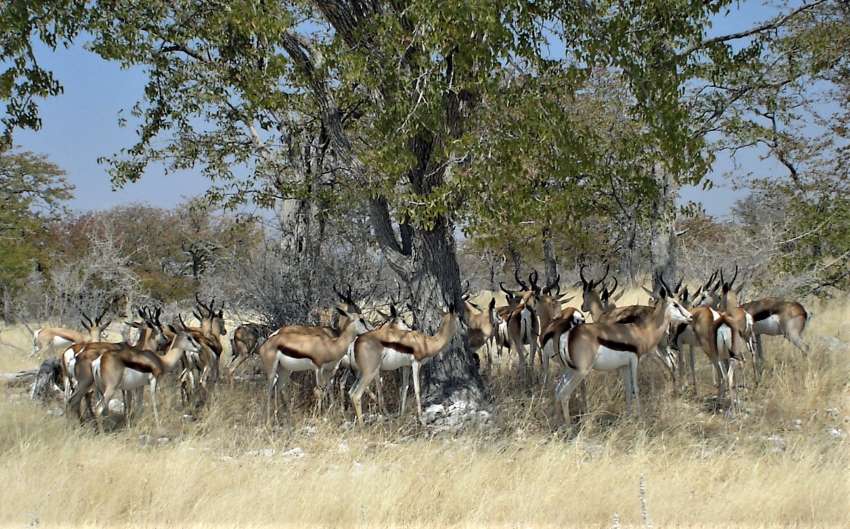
x=549, y=262
x=663, y=227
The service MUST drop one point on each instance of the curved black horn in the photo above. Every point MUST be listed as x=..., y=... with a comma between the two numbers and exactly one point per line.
x=584, y=282
x=664, y=283
x=735, y=276
x=101, y=315
x=679, y=285
x=505, y=290
x=182, y=323
x=605, y=276
x=519, y=281
x=202, y=305
x=722, y=281
x=614, y=289
x=554, y=283
x=87, y=319
x=532, y=279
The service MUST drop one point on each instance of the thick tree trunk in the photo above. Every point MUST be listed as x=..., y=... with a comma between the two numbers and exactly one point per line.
x=663, y=243
x=549, y=262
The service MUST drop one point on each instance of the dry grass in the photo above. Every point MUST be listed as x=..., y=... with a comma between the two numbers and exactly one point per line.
x=783, y=462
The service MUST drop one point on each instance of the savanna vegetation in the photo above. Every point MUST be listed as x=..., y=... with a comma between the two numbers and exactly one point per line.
x=403, y=149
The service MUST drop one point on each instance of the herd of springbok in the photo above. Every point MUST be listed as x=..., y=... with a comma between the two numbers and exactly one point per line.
x=710, y=318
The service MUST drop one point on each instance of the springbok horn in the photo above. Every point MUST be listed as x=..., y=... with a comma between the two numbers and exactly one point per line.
x=607, y=268
x=519, y=281
x=735, y=276
x=505, y=290
x=584, y=282
x=101, y=315
x=554, y=283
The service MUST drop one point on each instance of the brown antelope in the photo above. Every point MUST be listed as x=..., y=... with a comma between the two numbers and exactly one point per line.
x=60, y=337
x=129, y=368
x=151, y=338
x=389, y=348
x=208, y=335
x=553, y=337
x=69, y=356
x=609, y=346
x=285, y=352
x=604, y=310
x=244, y=343
x=724, y=338
x=482, y=324
x=777, y=317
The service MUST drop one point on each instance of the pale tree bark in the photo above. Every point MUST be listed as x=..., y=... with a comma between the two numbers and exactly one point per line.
x=663, y=242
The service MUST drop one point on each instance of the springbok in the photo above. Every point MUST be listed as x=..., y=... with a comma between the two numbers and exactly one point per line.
x=724, y=337
x=208, y=335
x=777, y=317
x=389, y=348
x=130, y=368
x=151, y=338
x=244, y=343
x=60, y=337
x=285, y=352
x=69, y=356
x=609, y=346
x=553, y=337
x=482, y=324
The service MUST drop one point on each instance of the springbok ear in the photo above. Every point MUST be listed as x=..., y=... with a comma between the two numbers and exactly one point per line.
x=651, y=293
x=341, y=312
x=566, y=299
x=618, y=296
x=105, y=325
x=85, y=326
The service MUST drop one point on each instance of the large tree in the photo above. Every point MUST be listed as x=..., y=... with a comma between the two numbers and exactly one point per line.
x=393, y=91
x=33, y=192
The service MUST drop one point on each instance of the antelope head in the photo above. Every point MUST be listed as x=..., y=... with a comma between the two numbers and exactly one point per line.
x=587, y=287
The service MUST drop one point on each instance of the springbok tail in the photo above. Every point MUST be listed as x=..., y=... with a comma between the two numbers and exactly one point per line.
x=724, y=338
x=525, y=326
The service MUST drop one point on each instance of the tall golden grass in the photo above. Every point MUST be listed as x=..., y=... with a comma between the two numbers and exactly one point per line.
x=783, y=461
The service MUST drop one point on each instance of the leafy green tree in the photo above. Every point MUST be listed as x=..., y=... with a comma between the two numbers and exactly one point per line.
x=33, y=191
x=397, y=90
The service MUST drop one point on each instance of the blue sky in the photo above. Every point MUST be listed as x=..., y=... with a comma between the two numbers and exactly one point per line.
x=81, y=125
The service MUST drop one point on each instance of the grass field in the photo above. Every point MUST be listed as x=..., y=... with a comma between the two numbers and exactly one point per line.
x=782, y=462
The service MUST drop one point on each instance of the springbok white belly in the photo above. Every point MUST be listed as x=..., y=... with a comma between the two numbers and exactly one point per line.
x=132, y=379
x=70, y=363
x=294, y=364
x=770, y=326
x=392, y=360
x=58, y=341
x=610, y=359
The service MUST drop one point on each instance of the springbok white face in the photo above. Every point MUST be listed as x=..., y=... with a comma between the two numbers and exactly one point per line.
x=187, y=343
x=677, y=313
x=706, y=298
x=578, y=318
x=360, y=325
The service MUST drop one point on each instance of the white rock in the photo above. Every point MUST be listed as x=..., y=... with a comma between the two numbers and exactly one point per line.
x=836, y=433
x=294, y=453
x=116, y=406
